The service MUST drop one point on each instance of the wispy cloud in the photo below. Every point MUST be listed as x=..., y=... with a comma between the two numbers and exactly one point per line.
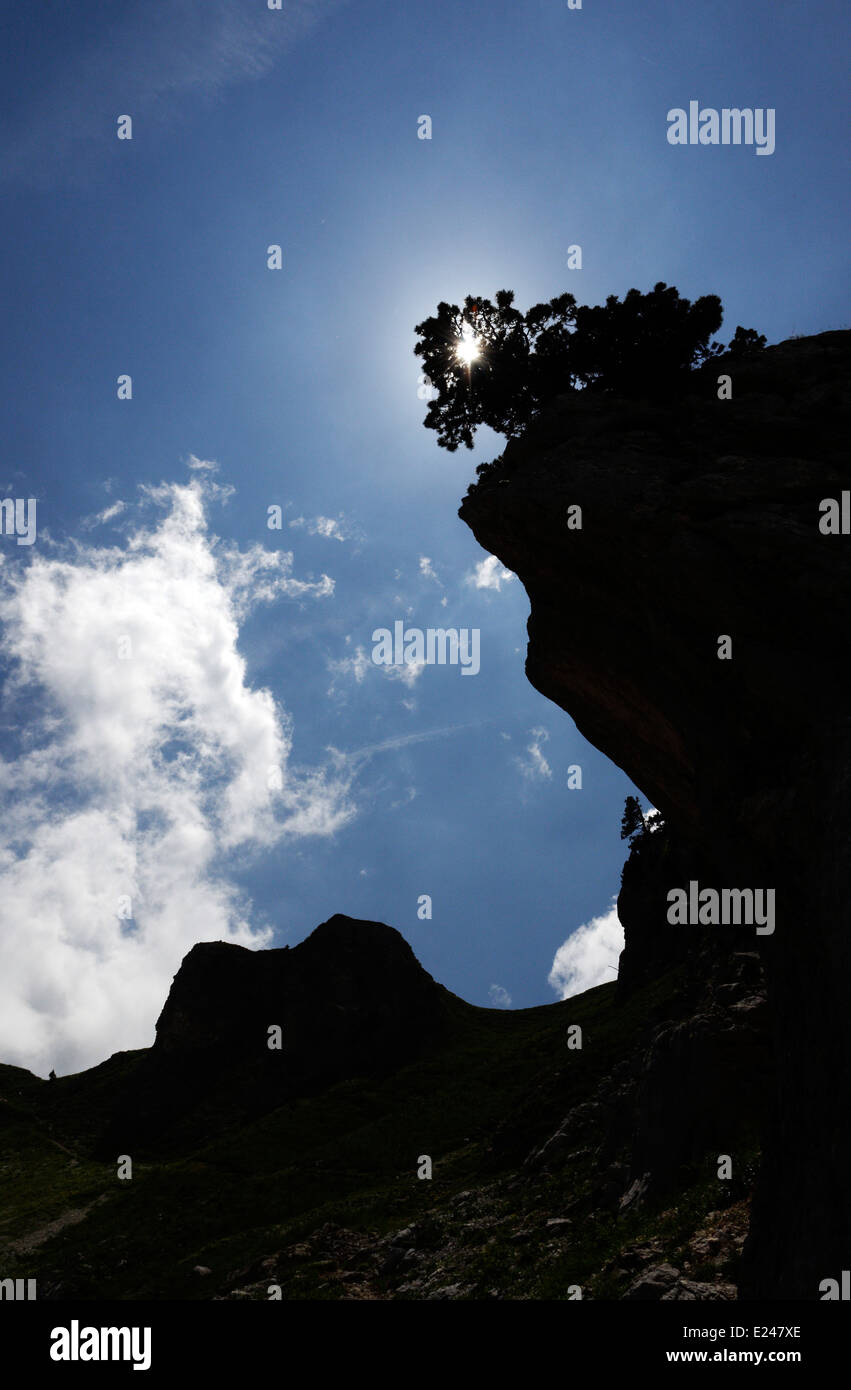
x=150, y=769
x=354, y=667
x=534, y=765
x=499, y=997
x=108, y=514
x=428, y=571
x=146, y=62
x=589, y=956
x=357, y=666
x=408, y=672
x=332, y=528
x=387, y=745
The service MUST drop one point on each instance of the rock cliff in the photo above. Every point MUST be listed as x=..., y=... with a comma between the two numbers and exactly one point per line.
x=700, y=521
x=351, y=999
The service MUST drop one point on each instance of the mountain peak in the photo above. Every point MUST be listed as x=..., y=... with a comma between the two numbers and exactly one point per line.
x=265, y=1026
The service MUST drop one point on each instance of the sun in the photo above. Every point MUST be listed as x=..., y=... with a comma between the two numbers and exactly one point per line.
x=468, y=348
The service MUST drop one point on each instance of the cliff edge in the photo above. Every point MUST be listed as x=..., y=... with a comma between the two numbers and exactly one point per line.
x=701, y=519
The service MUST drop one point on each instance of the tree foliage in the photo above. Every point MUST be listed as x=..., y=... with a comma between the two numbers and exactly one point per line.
x=635, y=823
x=633, y=819
x=643, y=344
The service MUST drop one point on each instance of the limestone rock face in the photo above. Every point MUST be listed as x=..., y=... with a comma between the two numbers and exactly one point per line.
x=700, y=519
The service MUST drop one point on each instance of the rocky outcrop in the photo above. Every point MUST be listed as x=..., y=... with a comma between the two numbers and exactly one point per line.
x=350, y=1000
x=694, y=1084
x=707, y=1069
x=655, y=862
x=700, y=520
x=351, y=994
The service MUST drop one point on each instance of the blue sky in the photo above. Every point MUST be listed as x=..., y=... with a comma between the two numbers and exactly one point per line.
x=254, y=127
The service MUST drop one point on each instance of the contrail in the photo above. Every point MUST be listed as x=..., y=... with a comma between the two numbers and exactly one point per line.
x=403, y=740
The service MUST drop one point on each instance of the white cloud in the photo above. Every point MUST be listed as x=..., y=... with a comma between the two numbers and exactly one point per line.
x=108, y=514
x=327, y=526
x=535, y=766
x=353, y=667
x=489, y=574
x=428, y=571
x=589, y=956
x=408, y=672
x=356, y=667
x=147, y=763
x=499, y=997
x=260, y=576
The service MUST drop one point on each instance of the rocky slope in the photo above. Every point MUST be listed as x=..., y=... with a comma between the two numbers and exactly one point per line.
x=555, y=1170
x=700, y=519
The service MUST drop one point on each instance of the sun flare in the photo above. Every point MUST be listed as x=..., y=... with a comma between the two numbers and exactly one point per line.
x=468, y=348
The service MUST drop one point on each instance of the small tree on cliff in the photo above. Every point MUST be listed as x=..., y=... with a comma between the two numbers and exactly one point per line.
x=637, y=825
x=633, y=819
x=492, y=365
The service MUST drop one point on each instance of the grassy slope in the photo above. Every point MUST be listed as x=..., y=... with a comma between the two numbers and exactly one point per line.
x=347, y=1157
